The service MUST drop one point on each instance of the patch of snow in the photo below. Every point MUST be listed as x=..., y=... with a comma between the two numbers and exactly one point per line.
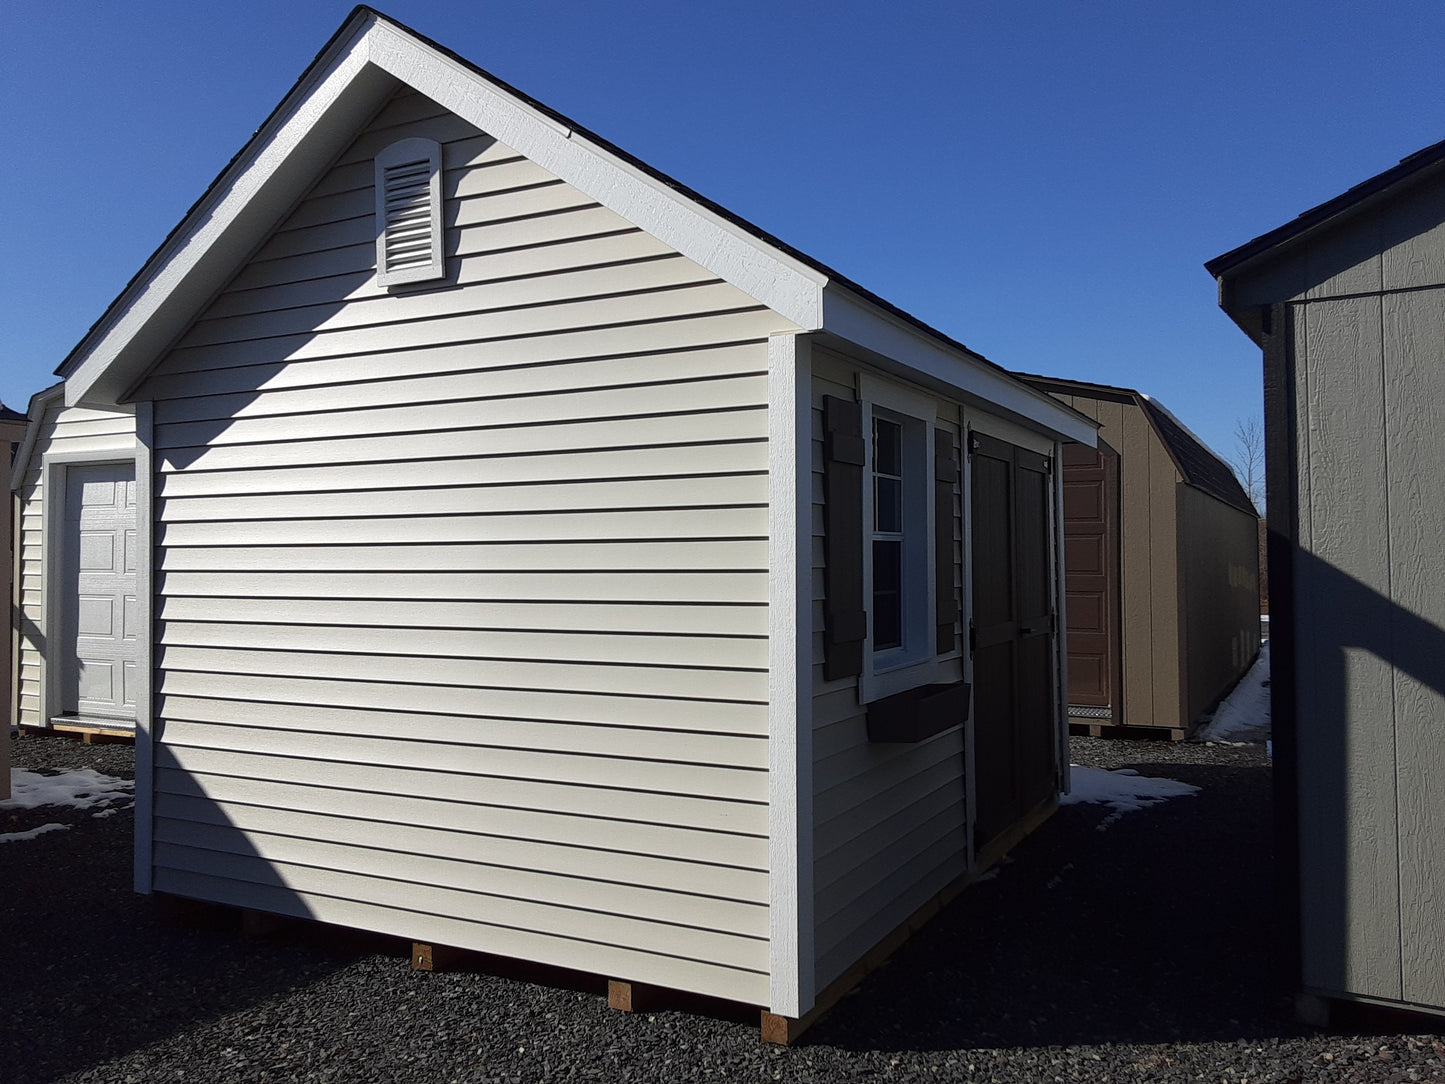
x=79, y=788
x=1123, y=791
x=16, y=837
x=1244, y=715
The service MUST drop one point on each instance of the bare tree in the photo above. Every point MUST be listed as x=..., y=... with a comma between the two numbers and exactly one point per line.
x=1248, y=459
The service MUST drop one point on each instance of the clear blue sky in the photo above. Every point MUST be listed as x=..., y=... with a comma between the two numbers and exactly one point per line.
x=1040, y=179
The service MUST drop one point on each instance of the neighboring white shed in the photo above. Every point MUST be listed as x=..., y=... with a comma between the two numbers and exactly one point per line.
x=76, y=638
x=12, y=432
x=544, y=561
x=1348, y=303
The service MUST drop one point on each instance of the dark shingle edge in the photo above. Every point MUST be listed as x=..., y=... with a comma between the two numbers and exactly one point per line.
x=1345, y=203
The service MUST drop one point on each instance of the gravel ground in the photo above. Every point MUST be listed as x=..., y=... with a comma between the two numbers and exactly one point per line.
x=1133, y=948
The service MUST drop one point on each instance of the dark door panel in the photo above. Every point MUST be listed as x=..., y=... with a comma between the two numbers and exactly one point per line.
x=1015, y=751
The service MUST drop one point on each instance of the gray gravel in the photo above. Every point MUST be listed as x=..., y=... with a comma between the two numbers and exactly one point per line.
x=1137, y=948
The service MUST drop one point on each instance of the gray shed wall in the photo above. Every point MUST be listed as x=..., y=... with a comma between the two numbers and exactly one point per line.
x=1358, y=416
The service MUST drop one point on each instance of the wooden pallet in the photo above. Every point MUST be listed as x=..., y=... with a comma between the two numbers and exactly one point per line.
x=628, y=996
x=92, y=733
x=1136, y=733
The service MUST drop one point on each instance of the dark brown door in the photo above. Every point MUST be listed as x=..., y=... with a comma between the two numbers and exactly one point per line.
x=1015, y=750
x=1091, y=578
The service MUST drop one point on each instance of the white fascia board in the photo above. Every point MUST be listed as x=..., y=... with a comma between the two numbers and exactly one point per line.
x=918, y=356
x=784, y=284
x=230, y=222
x=39, y=402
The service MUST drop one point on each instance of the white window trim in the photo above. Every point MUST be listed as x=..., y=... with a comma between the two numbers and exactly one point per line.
x=432, y=264
x=897, y=670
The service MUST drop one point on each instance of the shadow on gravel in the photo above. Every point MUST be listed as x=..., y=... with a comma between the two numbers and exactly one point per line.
x=93, y=971
x=1155, y=926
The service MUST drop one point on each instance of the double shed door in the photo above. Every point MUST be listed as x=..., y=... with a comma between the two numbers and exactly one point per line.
x=1015, y=730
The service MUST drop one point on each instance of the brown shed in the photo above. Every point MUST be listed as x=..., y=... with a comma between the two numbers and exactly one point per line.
x=1162, y=566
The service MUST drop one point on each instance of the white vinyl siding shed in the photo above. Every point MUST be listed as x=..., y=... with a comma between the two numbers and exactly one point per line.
x=483, y=609
x=57, y=438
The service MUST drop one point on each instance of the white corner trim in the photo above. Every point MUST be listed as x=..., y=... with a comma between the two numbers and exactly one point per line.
x=782, y=283
x=145, y=653
x=790, y=705
x=865, y=325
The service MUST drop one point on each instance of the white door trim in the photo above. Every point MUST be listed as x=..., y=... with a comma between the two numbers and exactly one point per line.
x=55, y=468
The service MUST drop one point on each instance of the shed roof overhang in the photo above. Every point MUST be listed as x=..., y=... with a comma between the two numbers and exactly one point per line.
x=355, y=74
x=1285, y=241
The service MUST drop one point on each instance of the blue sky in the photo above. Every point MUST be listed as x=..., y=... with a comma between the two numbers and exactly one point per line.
x=1040, y=179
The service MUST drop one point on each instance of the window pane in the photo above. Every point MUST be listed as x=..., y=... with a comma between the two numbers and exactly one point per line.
x=887, y=594
x=888, y=504
x=887, y=447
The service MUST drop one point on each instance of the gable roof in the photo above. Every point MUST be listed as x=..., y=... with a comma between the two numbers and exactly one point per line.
x=1198, y=464
x=357, y=71
x=1411, y=170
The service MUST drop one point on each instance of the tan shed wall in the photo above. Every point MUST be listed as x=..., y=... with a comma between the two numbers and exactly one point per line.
x=461, y=592
x=1219, y=568
x=1150, y=582
x=1369, y=596
x=76, y=431
x=889, y=819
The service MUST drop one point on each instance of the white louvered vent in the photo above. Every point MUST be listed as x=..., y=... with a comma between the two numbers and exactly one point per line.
x=409, y=213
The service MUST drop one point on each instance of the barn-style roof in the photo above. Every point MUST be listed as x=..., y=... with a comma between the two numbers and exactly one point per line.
x=1199, y=465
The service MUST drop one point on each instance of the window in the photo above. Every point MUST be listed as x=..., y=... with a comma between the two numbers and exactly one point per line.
x=898, y=534
x=409, y=213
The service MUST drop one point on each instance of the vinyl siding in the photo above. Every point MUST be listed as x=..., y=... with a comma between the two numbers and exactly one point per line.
x=461, y=590
x=889, y=819
x=63, y=432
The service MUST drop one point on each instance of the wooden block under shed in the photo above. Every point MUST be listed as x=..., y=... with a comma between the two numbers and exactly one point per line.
x=426, y=957
x=630, y=996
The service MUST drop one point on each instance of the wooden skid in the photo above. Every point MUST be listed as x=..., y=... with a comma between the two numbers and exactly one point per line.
x=785, y=1030
x=1138, y=733
x=626, y=996
x=92, y=734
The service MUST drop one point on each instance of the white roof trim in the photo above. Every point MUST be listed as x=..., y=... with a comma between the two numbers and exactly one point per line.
x=784, y=284
x=33, y=413
x=229, y=222
x=950, y=369
x=364, y=64
x=321, y=115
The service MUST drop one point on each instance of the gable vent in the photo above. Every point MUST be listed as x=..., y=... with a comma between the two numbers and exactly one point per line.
x=409, y=213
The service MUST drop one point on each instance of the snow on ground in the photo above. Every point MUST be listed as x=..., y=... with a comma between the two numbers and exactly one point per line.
x=79, y=788
x=1123, y=790
x=1244, y=715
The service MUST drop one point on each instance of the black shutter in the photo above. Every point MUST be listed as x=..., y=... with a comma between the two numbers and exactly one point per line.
x=845, y=624
x=945, y=476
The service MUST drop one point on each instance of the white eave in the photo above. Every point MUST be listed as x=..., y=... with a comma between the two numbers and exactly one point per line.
x=367, y=61
x=36, y=410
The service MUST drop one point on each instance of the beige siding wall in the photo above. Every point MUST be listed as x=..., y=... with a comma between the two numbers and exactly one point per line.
x=74, y=432
x=889, y=819
x=1219, y=567
x=462, y=591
